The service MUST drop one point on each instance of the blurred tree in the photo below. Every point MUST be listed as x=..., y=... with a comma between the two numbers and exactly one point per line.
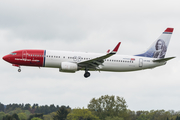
x=36, y=118
x=108, y=106
x=15, y=116
x=1, y=107
x=22, y=116
x=27, y=112
x=81, y=114
x=142, y=117
x=27, y=106
x=7, y=117
x=2, y=114
x=131, y=114
x=62, y=113
x=49, y=116
x=114, y=118
x=17, y=110
x=177, y=118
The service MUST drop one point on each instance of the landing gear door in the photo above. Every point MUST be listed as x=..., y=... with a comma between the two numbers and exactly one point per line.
x=140, y=62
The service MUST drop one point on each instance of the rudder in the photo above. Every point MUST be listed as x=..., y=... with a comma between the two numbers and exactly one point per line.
x=159, y=48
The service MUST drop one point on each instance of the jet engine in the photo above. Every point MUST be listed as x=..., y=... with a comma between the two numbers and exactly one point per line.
x=68, y=67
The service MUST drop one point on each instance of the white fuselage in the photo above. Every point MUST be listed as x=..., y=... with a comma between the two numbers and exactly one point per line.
x=115, y=63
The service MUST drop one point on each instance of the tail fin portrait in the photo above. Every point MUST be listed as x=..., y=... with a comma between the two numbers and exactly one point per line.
x=159, y=48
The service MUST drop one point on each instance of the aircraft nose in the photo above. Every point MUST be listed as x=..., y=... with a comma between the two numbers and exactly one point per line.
x=5, y=58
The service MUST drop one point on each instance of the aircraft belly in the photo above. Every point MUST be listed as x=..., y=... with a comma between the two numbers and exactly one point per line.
x=120, y=67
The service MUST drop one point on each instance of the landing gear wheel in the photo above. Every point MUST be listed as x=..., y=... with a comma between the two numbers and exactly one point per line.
x=19, y=70
x=87, y=74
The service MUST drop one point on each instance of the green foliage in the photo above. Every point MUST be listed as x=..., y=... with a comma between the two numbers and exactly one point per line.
x=1, y=107
x=46, y=109
x=12, y=107
x=27, y=106
x=2, y=114
x=7, y=117
x=81, y=114
x=114, y=118
x=15, y=116
x=104, y=108
x=131, y=115
x=27, y=112
x=17, y=110
x=143, y=117
x=36, y=118
x=177, y=118
x=151, y=115
x=49, y=116
x=22, y=116
x=11, y=117
x=62, y=113
x=108, y=106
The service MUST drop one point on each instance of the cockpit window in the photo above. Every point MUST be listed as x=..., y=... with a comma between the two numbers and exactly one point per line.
x=13, y=53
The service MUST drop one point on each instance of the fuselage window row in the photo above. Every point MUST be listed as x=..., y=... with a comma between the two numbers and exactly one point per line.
x=80, y=58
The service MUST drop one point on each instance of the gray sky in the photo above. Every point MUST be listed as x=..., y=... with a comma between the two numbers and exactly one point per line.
x=92, y=26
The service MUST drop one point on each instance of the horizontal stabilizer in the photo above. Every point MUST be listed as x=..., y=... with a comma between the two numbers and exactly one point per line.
x=163, y=59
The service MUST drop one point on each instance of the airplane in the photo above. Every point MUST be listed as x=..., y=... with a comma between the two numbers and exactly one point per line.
x=71, y=62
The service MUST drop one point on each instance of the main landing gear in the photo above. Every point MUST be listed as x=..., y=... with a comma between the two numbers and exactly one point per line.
x=87, y=74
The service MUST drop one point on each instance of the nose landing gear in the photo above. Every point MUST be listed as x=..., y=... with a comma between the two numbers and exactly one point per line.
x=19, y=70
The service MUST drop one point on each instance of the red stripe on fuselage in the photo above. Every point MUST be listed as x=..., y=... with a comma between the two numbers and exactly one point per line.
x=27, y=57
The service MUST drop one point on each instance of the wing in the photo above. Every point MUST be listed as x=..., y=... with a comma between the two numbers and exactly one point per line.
x=95, y=62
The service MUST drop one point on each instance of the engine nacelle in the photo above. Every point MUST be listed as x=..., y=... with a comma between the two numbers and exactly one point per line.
x=68, y=67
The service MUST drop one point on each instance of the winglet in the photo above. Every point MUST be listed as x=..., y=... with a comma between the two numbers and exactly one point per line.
x=116, y=48
x=108, y=51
